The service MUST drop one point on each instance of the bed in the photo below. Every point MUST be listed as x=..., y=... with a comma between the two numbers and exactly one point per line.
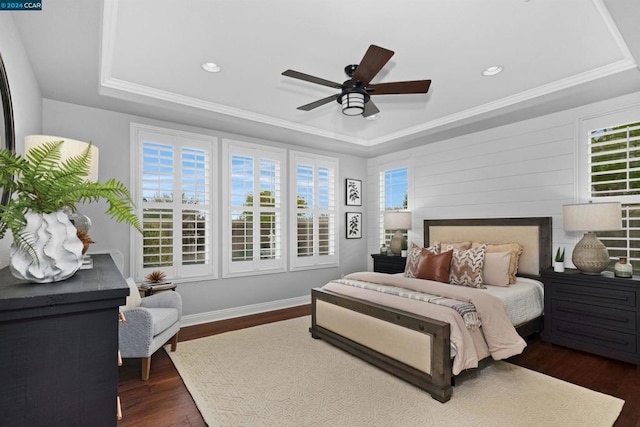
x=414, y=342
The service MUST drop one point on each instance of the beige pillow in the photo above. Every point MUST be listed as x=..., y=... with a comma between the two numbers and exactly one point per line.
x=467, y=266
x=459, y=246
x=496, y=268
x=413, y=258
x=133, y=300
x=514, y=248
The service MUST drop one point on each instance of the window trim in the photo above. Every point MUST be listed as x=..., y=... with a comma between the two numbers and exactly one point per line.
x=255, y=266
x=380, y=208
x=178, y=273
x=315, y=261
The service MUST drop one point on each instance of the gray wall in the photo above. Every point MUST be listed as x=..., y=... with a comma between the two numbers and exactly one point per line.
x=110, y=132
x=25, y=93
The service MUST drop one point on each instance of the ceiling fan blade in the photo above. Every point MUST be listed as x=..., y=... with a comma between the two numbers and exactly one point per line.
x=371, y=64
x=318, y=103
x=312, y=79
x=370, y=109
x=396, y=88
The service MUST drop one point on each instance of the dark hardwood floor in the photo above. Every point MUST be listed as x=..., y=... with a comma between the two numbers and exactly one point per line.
x=163, y=400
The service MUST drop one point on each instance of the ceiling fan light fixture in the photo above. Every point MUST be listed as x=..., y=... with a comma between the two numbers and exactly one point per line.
x=352, y=103
x=492, y=71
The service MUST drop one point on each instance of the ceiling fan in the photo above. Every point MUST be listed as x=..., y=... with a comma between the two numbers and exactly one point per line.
x=355, y=95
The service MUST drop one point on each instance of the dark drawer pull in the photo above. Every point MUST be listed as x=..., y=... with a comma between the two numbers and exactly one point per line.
x=571, y=332
x=582, y=294
x=596, y=316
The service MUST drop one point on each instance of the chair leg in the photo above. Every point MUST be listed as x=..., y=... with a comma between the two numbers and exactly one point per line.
x=146, y=367
x=174, y=341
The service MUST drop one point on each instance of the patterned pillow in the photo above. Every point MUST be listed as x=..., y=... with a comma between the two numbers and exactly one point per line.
x=467, y=266
x=413, y=258
x=434, y=267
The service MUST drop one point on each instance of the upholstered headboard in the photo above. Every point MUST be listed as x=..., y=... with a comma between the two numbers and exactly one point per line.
x=534, y=234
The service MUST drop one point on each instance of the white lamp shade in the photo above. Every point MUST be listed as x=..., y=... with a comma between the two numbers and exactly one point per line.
x=592, y=217
x=69, y=148
x=397, y=220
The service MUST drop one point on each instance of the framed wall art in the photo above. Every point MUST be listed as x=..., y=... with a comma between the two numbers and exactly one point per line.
x=354, y=192
x=354, y=225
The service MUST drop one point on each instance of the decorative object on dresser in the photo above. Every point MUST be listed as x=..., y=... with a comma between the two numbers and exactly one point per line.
x=353, y=192
x=60, y=348
x=7, y=138
x=46, y=184
x=590, y=256
x=388, y=264
x=623, y=268
x=558, y=263
x=597, y=314
x=398, y=221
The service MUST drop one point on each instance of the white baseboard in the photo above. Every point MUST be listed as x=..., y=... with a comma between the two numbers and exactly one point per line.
x=230, y=313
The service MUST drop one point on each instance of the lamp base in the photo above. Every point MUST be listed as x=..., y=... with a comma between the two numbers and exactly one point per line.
x=396, y=243
x=590, y=256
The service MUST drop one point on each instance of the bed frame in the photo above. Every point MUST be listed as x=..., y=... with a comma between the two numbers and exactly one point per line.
x=415, y=348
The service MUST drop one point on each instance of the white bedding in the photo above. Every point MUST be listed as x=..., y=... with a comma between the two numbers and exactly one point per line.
x=523, y=300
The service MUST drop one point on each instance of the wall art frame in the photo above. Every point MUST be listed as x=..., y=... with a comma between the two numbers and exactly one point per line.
x=353, y=192
x=354, y=225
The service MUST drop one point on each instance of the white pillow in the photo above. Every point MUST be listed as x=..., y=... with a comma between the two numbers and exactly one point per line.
x=496, y=268
x=133, y=300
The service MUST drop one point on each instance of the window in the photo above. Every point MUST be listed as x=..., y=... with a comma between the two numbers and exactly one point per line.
x=394, y=195
x=314, y=213
x=614, y=175
x=173, y=192
x=253, y=217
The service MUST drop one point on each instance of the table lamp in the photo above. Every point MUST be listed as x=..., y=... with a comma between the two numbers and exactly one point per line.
x=398, y=221
x=590, y=256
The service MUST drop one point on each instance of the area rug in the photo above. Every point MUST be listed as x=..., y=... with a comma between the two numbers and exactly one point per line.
x=277, y=375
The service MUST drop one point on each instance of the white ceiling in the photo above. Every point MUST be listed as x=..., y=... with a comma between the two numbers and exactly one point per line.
x=144, y=56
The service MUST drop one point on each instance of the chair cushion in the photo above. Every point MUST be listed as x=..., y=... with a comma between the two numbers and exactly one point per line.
x=162, y=318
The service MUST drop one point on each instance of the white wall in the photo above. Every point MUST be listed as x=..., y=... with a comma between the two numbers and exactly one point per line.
x=110, y=132
x=25, y=94
x=525, y=169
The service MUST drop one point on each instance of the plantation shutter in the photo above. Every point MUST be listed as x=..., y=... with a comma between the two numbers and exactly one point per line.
x=394, y=190
x=174, y=195
x=314, y=219
x=254, y=217
x=614, y=175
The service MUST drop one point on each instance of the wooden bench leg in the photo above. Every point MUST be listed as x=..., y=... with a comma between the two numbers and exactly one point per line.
x=174, y=342
x=146, y=367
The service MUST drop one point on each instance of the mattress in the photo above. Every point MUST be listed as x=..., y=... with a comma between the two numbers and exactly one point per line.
x=523, y=300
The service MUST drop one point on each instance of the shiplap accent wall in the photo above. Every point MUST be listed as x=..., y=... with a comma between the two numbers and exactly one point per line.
x=525, y=169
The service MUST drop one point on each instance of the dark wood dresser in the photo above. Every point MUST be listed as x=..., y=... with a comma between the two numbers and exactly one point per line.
x=60, y=348
x=388, y=263
x=597, y=314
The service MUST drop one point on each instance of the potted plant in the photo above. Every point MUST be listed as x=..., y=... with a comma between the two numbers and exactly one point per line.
x=558, y=264
x=44, y=190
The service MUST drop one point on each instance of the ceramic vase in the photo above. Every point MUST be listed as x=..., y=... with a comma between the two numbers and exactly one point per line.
x=58, y=250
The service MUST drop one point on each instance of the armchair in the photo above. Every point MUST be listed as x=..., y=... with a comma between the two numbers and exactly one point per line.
x=149, y=325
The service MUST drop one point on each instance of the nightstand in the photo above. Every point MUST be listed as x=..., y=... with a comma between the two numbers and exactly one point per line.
x=597, y=314
x=388, y=263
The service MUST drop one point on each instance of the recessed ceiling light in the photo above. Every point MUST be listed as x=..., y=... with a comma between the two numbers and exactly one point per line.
x=373, y=117
x=211, y=67
x=492, y=71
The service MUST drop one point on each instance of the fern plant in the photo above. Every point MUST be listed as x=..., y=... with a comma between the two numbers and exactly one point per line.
x=40, y=183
